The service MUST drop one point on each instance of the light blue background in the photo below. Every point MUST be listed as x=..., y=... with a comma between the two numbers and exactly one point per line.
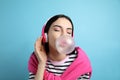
x=97, y=31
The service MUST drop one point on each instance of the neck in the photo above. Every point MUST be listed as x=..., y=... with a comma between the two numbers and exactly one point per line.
x=55, y=56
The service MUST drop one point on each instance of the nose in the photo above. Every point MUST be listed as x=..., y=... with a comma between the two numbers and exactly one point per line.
x=64, y=33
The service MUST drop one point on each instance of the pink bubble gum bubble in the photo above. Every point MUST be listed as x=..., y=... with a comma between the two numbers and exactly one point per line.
x=65, y=44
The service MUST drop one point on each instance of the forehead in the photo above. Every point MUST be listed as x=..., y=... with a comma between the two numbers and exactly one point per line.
x=63, y=22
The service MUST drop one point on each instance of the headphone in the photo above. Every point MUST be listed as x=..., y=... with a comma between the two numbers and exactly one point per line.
x=44, y=35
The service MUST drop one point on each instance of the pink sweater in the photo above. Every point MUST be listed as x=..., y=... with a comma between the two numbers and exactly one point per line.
x=81, y=65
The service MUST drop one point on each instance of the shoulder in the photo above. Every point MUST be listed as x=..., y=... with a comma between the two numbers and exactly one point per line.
x=32, y=63
x=84, y=59
x=33, y=58
x=80, y=52
x=79, y=49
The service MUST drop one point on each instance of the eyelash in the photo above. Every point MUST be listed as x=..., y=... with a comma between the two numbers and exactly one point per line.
x=57, y=30
x=69, y=32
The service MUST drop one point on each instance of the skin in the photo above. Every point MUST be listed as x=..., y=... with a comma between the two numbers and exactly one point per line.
x=60, y=27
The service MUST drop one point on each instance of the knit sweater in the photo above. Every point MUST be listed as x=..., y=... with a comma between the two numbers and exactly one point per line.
x=80, y=66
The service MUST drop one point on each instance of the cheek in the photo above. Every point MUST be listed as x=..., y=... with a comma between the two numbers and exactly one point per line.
x=51, y=39
x=53, y=36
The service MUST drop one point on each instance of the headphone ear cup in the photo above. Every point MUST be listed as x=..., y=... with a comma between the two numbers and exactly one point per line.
x=44, y=40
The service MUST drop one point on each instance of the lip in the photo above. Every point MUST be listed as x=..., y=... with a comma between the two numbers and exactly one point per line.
x=65, y=44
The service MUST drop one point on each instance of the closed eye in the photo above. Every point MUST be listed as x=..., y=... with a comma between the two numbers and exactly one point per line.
x=57, y=28
x=69, y=32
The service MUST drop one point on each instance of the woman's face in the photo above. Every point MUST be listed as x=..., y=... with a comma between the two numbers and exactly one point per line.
x=61, y=26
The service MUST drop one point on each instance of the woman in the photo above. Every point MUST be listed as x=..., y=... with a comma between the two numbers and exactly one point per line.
x=46, y=63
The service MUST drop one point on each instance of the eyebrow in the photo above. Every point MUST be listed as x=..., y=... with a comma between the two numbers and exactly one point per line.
x=57, y=26
x=61, y=27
